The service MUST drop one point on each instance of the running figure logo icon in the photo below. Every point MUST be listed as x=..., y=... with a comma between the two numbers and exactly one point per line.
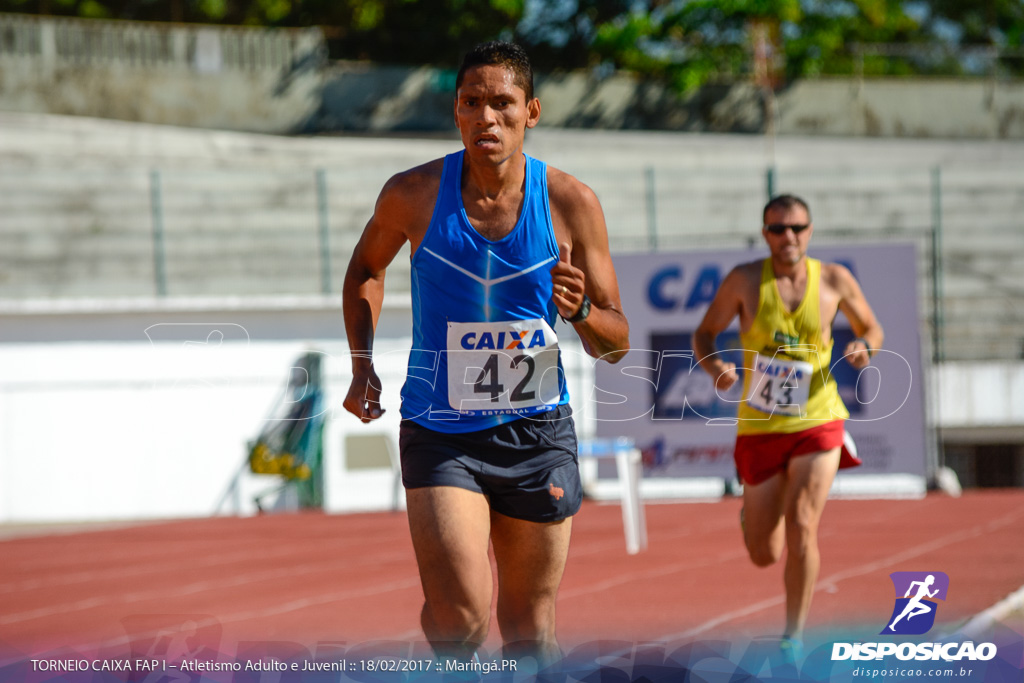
x=914, y=612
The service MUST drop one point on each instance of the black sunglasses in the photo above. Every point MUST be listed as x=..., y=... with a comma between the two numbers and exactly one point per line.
x=780, y=228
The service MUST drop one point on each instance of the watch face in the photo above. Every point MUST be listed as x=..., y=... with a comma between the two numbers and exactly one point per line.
x=584, y=311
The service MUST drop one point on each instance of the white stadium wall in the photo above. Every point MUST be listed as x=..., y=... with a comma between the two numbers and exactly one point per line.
x=148, y=413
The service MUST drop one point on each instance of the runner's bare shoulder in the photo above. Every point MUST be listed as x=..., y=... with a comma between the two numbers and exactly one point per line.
x=745, y=275
x=415, y=184
x=569, y=197
x=408, y=197
x=835, y=273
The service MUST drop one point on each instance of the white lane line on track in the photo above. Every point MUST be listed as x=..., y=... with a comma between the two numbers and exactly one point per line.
x=163, y=551
x=277, y=610
x=981, y=622
x=641, y=576
x=146, y=567
x=289, y=572
x=136, y=565
x=860, y=570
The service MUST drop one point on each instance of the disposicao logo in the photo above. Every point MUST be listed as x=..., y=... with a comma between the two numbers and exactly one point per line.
x=916, y=593
x=914, y=614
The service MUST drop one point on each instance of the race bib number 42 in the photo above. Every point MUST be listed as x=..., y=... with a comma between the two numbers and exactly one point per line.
x=503, y=367
x=778, y=385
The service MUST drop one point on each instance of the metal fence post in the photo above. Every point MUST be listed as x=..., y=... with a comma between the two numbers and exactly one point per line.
x=937, y=450
x=769, y=182
x=325, y=251
x=652, y=208
x=159, y=251
x=938, y=322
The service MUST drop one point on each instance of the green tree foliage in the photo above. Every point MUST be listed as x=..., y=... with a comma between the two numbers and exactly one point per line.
x=700, y=41
x=981, y=22
x=390, y=31
x=561, y=33
x=686, y=42
x=412, y=31
x=997, y=24
x=693, y=42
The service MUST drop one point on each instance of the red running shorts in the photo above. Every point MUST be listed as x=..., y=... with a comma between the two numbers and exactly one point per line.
x=760, y=456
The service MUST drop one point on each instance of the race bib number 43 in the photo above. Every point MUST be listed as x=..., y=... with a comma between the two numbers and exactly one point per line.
x=504, y=367
x=778, y=385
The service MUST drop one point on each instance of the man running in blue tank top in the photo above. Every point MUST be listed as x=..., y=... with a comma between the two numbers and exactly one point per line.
x=501, y=244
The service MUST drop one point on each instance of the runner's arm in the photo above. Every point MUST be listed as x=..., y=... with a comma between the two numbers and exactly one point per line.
x=726, y=305
x=585, y=268
x=363, y=293
x=866, y=328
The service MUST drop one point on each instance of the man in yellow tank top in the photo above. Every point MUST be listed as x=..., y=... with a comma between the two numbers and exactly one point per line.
x=790, y=437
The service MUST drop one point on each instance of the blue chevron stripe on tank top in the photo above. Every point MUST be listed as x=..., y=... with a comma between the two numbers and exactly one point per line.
x=483, y=350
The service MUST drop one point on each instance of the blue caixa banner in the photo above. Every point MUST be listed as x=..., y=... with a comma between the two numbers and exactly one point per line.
x=659, y=395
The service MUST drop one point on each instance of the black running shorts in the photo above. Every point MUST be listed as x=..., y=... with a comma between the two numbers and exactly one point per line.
x=527, y=468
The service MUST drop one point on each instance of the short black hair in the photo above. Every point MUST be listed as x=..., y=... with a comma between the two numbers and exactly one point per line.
x=500, y=53
x=785, y=201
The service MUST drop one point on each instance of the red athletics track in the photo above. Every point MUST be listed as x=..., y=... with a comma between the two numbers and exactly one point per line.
x=313, y=578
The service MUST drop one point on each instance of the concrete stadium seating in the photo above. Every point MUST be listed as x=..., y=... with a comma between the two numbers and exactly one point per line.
x=96, y=208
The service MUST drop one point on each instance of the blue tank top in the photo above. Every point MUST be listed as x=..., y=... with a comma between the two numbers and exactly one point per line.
x=484, y=352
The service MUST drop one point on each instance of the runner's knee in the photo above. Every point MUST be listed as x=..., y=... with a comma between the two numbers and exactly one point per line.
x=763, y=557
x=526, y=622
x=763, y=552
x=449, y=622
x=801, y=533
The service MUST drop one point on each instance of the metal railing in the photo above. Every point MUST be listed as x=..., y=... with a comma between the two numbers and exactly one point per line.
x=199, y=47
x=76, y=233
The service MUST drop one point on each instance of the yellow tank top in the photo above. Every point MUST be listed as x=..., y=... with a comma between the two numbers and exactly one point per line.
x=778, y=348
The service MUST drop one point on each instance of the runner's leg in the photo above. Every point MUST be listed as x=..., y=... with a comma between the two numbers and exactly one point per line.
x=762, y=519
x=531, y=558
x=809, y=480
x=450, y=528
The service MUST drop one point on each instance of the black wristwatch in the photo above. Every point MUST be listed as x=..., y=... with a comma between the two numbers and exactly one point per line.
x=582, y=313
x=867, y=347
